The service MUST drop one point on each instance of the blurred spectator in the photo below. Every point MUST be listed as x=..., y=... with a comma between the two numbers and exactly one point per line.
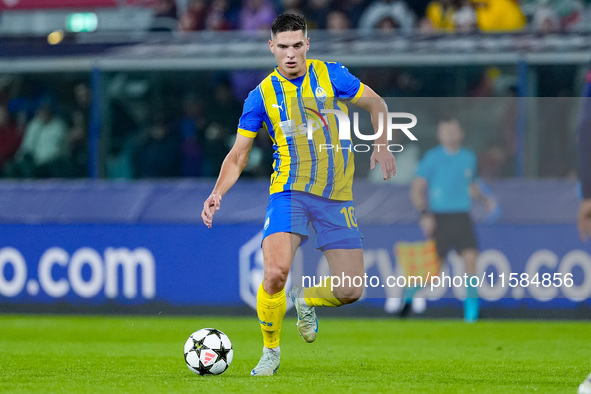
x=165, y=16
x=465, y=18
x=337, y=21
x=573, y=15
x=192, y=128
x=499, y=15
x=353, y=9
x=224, y=109
x=118, y=162
x=449, y=15
x=379, y=12
x=317, y=12
x=74, y=163
x=223, y=113
x=387, y=25
x=218, y=16
x=545, y=19
x=10, y=138
x=441, y=14
x=43, y=145
x=292, y=6
x=165, y=9
x=425, y=26
x=194, y=18
x=216, y=149
x=20, y=104
x=487, y=84
x=256, y=15
x=554, y=15
x=157, y=153
x=82, y=97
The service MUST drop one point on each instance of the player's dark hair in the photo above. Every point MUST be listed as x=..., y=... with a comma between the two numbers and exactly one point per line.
x=289, y=22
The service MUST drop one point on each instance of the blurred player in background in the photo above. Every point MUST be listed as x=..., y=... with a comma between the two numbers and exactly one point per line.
x=308, y=184
x=584, y=161
x=584, y=153
x=442, y=192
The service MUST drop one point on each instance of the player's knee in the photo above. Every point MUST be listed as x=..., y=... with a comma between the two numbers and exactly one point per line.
x=348, y=295
x=275, y=278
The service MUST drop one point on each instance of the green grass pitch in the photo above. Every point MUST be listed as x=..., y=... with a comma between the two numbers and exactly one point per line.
x=144, y=354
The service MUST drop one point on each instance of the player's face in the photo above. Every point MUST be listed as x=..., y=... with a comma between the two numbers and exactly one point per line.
x=450, y=134
x=289, y=48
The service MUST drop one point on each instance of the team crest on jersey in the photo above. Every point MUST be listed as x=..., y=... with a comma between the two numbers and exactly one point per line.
x=320, y=94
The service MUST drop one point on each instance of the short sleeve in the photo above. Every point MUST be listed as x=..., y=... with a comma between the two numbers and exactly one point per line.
x=425, y=166
x=345, y=84
x=253, y=114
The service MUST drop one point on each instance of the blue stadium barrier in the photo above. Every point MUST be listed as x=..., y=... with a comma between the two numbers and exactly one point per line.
x=92, y=243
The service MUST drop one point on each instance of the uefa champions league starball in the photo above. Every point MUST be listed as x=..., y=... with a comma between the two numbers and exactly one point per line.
x=208, y=352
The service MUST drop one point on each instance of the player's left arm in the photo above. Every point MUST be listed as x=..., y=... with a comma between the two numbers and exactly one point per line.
x=376, y=106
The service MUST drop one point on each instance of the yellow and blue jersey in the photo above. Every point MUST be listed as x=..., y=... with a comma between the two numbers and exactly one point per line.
x=285, y=109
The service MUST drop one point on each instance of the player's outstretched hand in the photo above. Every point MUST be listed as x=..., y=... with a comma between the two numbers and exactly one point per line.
x=210, y=207
x=386, y=160
x=584, y=219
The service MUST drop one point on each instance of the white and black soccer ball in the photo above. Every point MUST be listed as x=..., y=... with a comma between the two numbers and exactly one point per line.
x=208, y=352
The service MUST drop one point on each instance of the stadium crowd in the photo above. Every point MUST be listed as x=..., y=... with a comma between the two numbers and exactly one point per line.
x=44, y=127
x=424, y=16
x=186, y=129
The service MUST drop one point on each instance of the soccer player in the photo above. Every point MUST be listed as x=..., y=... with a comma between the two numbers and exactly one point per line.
x=309, y=184
x=584, y=161
x=584, y=156
x=442, y=192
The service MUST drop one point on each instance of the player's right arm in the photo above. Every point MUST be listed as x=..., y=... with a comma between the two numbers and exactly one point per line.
x=231, y=169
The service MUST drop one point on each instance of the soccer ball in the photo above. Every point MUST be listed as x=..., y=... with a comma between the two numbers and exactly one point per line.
x=208, y=352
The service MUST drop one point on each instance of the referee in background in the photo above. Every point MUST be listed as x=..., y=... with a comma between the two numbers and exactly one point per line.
x=442, y=192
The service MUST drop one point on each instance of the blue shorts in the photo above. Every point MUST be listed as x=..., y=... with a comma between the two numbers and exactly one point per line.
x=334, y=221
